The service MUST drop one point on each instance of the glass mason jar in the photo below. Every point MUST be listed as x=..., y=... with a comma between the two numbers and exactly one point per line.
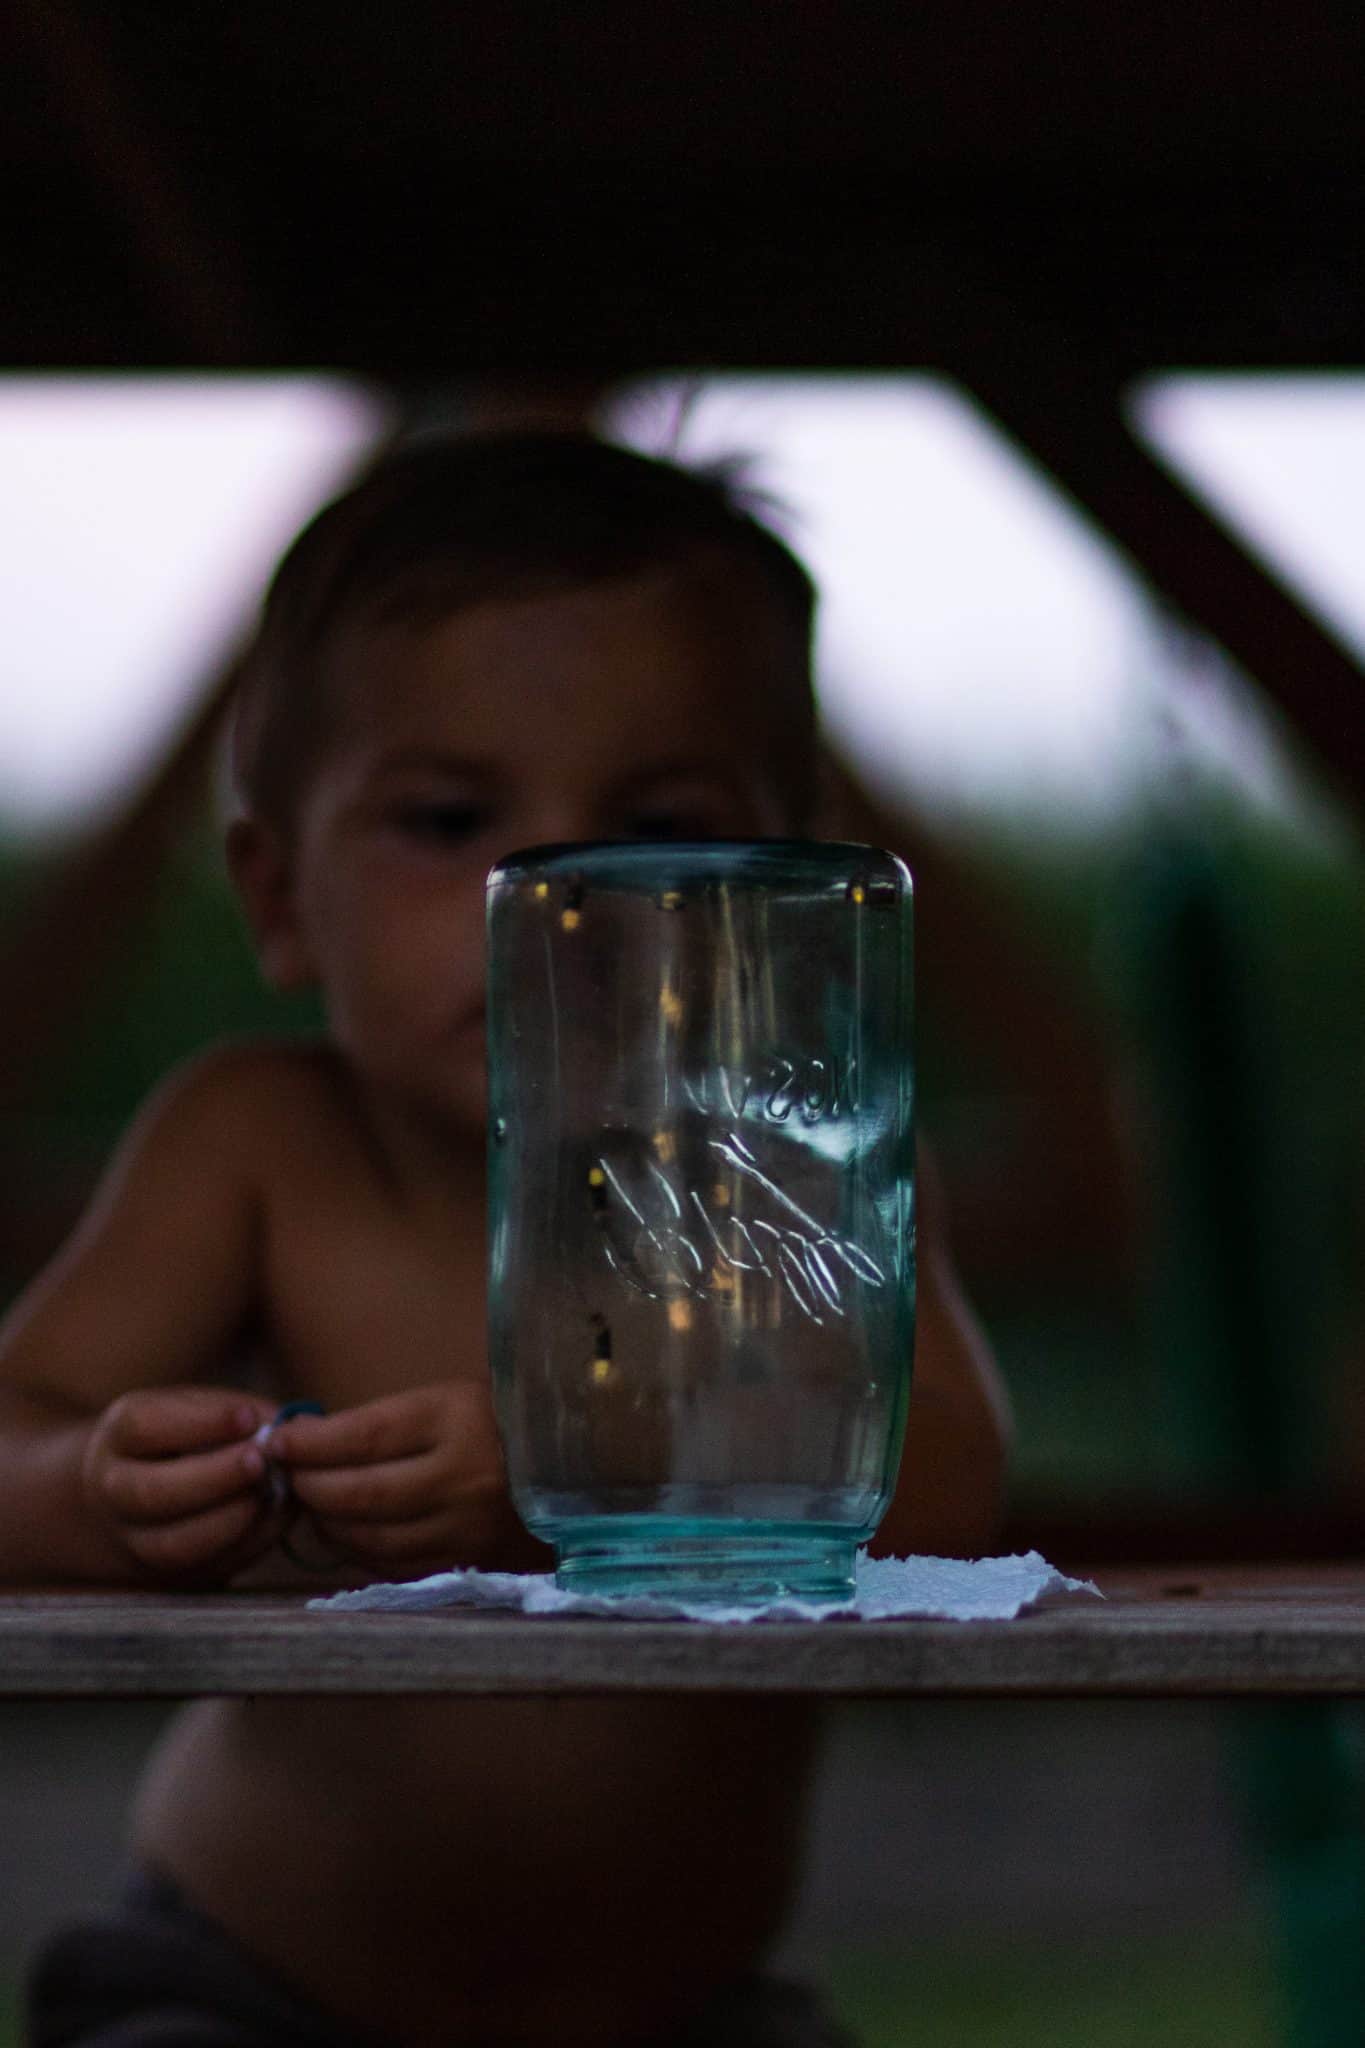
x=701, y=1218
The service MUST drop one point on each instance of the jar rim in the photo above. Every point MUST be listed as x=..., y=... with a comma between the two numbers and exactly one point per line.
x=650, y=863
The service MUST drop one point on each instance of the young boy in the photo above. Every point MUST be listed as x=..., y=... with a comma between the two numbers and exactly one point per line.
x=485, y=645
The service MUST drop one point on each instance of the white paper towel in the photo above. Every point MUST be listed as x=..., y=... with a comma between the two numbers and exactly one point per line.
x=885, y=1588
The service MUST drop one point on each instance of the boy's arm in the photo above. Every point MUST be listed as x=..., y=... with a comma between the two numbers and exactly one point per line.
x=112, y=1465
x=950, y=1493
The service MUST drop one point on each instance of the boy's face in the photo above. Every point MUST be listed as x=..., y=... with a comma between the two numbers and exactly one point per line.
x=650, y=707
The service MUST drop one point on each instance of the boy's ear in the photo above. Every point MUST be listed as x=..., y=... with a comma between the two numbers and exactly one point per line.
x=261, y=868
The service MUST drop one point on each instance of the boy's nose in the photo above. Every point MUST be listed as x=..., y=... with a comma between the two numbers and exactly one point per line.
x=567, y=821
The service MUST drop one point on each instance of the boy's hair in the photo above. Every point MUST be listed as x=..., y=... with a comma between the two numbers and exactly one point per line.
x=443, y=523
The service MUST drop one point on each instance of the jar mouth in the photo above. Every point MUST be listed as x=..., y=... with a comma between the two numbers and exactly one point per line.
x=624, y=861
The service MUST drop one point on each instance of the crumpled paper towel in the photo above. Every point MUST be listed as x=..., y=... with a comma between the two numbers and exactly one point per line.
x=885, y=1588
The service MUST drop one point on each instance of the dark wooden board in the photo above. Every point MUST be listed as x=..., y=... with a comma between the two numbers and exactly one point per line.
x=1233, y=1631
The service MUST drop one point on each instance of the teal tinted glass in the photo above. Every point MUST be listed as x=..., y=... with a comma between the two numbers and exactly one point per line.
x=702, y=1207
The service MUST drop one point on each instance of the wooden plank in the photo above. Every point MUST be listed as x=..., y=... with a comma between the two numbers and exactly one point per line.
x=1262, y=1634
x=1067, y=411
x=1180, y=194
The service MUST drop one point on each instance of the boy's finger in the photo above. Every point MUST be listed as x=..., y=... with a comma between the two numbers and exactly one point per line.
x=428, y=1540
x=196, y=1541
x=175, y=1419
x=168, y=1489
x=395, y=1490
x=397, y=1426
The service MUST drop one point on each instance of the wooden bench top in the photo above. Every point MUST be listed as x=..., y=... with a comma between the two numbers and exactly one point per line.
x=1263, y=1631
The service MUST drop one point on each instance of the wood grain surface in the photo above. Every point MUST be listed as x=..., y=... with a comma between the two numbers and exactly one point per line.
x=1246, y=1632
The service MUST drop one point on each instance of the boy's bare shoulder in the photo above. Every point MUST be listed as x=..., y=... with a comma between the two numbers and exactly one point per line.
x=244, y=1093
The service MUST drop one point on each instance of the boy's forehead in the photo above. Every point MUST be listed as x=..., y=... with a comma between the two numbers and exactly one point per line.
x=678, y=642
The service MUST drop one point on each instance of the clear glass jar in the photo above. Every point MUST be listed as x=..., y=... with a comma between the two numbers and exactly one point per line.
x=701, y=1284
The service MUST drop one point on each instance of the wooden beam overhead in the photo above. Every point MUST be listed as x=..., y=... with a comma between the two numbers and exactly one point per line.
x=1071, y=416
x=441, y=191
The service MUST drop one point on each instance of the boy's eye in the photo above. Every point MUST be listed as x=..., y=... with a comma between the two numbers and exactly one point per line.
x=444, y=823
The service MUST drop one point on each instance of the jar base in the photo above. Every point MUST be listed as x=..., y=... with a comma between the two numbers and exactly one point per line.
x=722, y=1563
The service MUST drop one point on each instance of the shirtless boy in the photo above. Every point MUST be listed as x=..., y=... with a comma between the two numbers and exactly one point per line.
x=485, y=645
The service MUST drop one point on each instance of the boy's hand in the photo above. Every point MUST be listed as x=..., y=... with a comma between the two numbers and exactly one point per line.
x=411, y=1478
x=172, y=1476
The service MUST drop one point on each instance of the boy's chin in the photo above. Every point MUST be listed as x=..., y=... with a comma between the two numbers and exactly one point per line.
x=467, y=1100
x=452, y=1103
x=464, y=1103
